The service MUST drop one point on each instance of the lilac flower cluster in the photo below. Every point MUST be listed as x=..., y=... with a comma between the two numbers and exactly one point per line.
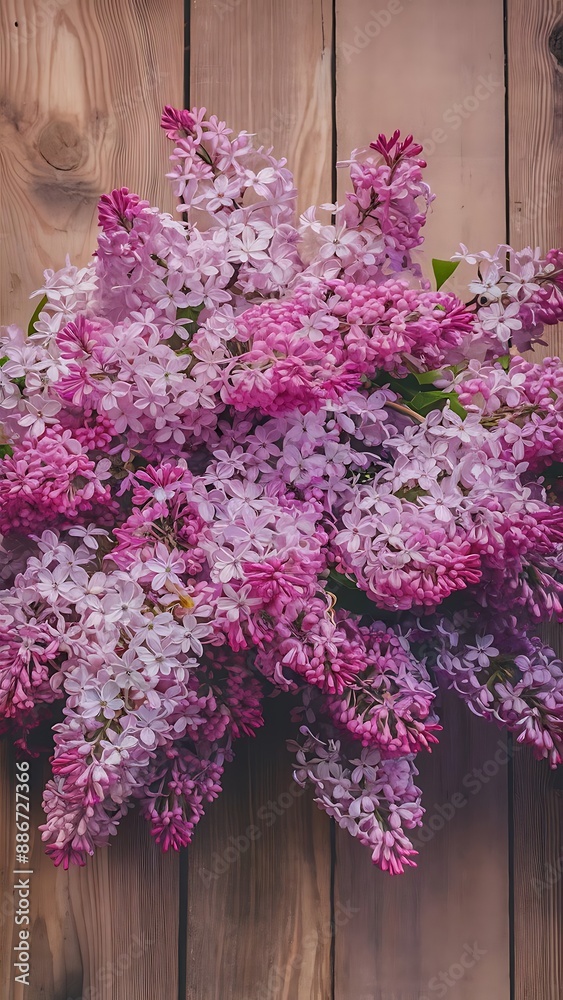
x=242, y=452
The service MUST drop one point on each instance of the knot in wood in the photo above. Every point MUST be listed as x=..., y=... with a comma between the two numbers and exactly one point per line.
x=556, y=42
x=61, y=145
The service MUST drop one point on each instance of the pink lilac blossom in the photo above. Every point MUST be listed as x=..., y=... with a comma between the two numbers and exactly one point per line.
x=245, y=453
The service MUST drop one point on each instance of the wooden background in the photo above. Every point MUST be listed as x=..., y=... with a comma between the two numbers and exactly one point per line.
x=298, y=913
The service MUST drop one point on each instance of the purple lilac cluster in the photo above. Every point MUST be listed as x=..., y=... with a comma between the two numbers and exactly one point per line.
x=244, y=453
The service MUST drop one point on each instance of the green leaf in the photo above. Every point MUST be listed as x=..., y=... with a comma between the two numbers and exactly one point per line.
x=190, y=313
x=342, y=581
x=504, y=361
x=428, y=378
x=5, y=450
x=40, y=305
x=406, y=387
x=418, y=392
x=443, y=269
x=455, y=405
x=425, y=402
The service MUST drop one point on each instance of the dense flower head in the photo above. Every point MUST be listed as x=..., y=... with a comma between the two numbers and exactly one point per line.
x=243, y=453
x=503, y=675
x=51, y=479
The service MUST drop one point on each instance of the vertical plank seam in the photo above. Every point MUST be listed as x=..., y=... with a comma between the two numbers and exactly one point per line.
x=334, y=130
x=334, y=197
x=183, y=866
x=506, y=123
x=187, y=52
x=510, y=741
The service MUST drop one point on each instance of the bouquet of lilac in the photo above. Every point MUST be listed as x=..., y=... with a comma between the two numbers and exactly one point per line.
x=244, y=453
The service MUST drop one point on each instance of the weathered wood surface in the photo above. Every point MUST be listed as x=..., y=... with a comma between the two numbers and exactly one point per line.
x=82, y=85
x=535, y=157
x=286, y=917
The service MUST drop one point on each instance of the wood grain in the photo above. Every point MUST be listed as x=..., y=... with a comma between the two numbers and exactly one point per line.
x=265, y=66
x=535, y=147
x=259, y=883
x=433, y=68
x=82, y=83
x=81, y=88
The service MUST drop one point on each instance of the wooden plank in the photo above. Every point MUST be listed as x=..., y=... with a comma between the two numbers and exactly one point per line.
x=259, y=918
x=265, y=66
x=82, y=87
x=406, y=936
x=262, y=927
x=434, y=68
x=535, y=114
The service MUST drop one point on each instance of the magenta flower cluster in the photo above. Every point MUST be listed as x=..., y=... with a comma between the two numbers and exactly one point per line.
x=244, y=453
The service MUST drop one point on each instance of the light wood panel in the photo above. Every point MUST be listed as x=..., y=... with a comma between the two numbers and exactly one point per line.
x=433, y=68
x=535, y=146
x=262, y=928
x=82, y=86
x=260, y=882
x=265, y=66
